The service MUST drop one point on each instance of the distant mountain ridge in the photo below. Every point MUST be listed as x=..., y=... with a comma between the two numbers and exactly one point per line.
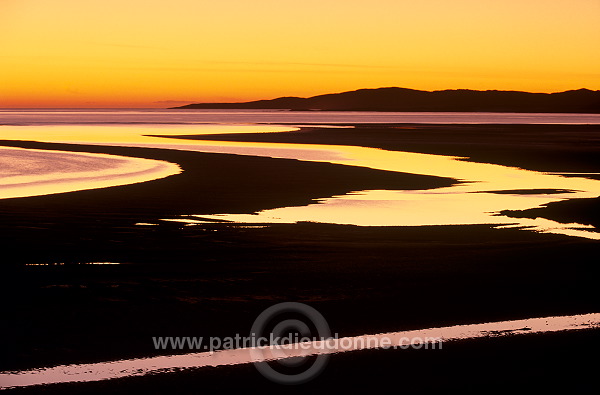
x=402, y=99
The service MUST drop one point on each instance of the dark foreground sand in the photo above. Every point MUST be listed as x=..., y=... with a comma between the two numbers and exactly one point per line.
x=214, y=280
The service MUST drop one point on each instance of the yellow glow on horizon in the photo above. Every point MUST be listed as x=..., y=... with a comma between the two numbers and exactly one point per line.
x=109, y=53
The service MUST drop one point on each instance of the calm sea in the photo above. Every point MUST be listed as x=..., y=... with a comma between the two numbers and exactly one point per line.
x=159, y=116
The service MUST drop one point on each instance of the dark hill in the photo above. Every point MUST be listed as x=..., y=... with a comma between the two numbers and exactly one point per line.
x=401, y=99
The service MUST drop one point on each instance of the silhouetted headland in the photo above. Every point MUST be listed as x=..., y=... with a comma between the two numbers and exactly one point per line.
x=402, y=99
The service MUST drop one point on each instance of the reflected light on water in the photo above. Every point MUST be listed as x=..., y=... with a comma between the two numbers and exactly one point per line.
x=171, y=363
x=412, y=208
x=470, y=202
x=27, y=172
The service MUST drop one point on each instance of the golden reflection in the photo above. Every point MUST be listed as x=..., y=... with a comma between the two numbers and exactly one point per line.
x=458, y=204
x=27, y=172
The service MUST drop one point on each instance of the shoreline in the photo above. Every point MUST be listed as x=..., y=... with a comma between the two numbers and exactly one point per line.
x=538, y=147
x=435, y=337
x=51, y=171
x=544, y=148
x=214, y=279
x=244, y=184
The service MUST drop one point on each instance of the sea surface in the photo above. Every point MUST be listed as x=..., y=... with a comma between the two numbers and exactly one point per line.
x=102, y=116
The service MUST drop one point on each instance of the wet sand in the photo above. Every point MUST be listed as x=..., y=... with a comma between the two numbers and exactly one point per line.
x=213, y=280
x=571, y=150
x=215, y=182
x=560, y=148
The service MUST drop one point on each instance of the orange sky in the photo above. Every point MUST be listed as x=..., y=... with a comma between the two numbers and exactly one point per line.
x=141, y=53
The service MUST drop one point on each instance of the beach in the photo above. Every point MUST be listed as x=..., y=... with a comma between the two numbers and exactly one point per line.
x=306, y=197
x=214, y=278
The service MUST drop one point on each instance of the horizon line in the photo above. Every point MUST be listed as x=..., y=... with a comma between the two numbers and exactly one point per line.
x=183, y=102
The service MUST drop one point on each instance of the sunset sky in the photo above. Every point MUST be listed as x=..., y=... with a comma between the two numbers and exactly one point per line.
x=158, y=53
